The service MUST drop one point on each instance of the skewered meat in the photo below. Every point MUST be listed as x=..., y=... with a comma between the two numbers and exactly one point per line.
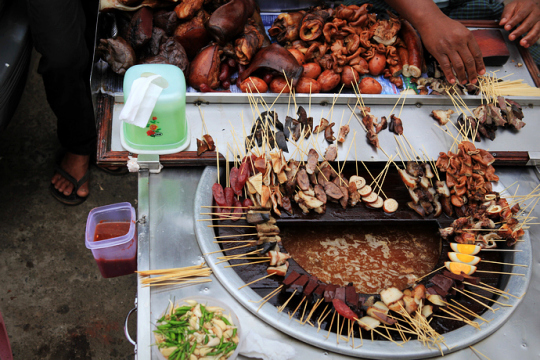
x=331, y=153
x=381, y=125
x=302, y=180
x=321, y=127
x=333, y=191
x=320, y=193
x=442, y=116
x=312, y=161
x=396, y=126
x=354, y=196
x=343, y=131
x=344, y=201
x=290, y=279
x=329, y=133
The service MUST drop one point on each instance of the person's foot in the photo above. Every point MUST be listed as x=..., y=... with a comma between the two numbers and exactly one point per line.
x=76, y=166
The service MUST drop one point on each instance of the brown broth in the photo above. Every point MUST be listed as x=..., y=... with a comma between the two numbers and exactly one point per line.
x=372, y=257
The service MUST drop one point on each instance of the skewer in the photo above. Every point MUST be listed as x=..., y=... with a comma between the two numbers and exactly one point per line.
x=304, y=311
x=235, y=235
x=295, y=310
x=503, y=263
x=254, y=281
x=331, y=323
x=229, y=218
x=483, y=297
x=478, y=301
x=498, y=272
x=469, y=311
x=338, y=333
x=404, y=99
x=459, y=317
x=223, y=250
x=234, y=256
x=181, y=283
x=232, y=241
x=280, y=309
x=248, y=263
x=220, y=214
x=234, y=226
x=355, y=156
x=272, y=294
x=492, y=290
x=310, y=314
x=502, y=291
x=381, y=334
x=476, y=351
x=503, y=250
x=319, y=320
x=434, y=271
x=397, y=102
x=347, y=156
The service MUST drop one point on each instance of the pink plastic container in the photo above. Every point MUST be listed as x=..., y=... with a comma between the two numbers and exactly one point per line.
x=115, y=256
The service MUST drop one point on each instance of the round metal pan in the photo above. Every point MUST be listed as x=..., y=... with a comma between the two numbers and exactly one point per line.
x=456, y=340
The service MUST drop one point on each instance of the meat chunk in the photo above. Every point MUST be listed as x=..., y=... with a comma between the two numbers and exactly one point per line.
x=302, y=179
x=343, y=131
x=331, y=153
x=442, y=116
x=313, y=159
x=117, y=53
x=396, y=126
x=319, y=193
x=333, y=191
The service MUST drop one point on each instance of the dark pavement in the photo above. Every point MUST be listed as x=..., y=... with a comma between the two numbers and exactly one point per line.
x=53, y=299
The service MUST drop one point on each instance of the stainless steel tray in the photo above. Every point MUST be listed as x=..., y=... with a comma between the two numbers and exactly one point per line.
x=456, y=340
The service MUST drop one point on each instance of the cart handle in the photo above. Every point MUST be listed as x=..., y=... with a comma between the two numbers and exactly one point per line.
x=126, y=330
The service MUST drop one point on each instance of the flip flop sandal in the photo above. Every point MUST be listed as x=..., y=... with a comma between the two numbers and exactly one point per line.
x=73, y=198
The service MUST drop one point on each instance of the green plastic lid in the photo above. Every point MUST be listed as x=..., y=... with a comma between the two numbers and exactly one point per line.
x=167, y=130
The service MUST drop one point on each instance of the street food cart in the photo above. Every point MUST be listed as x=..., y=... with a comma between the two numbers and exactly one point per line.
x=173, y=233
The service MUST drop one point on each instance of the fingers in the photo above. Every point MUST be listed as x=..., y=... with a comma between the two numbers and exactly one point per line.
x=529, y=22
x=507, y=14
x=478, y=60
x=446, y=68
x=532, y=36
x=517, y=17
x=459, y=67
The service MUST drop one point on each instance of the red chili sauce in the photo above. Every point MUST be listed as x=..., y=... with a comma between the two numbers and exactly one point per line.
x=114, y=267
x=109, y=230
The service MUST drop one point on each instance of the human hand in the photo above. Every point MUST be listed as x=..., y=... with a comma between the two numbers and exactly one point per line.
x=455, y=48
x=526, y=12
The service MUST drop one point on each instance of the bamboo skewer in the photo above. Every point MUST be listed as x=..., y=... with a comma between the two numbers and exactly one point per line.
x=254, y=281
x=272, y=294
x=280, y=309
x=248, y=263
x=478, y=301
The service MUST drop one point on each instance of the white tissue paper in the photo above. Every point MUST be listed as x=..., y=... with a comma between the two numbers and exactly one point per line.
x=141, y=101
x=132, y=164
x=254, y=346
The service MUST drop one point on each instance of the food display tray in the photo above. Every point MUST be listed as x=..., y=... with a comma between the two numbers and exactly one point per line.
x=169, y=237
x=222, y=109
